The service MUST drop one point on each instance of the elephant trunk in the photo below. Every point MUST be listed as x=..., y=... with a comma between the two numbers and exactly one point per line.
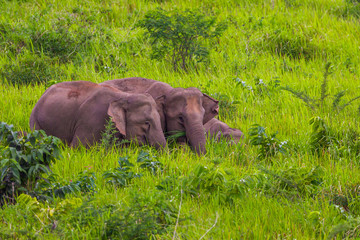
x=196, y=136
x=156, y=139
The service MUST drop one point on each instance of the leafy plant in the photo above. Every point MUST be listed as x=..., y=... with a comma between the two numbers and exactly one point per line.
x=51, y=187
x=173, y=136
x=24, y=159
x=319, y=103
x=121, y=176
x=180, y=36
x=109, y=136
x=148, y=163
x=269, y=145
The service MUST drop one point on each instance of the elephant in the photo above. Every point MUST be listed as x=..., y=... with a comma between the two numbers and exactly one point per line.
x=77, y=112
x=180, y=109
x=216, y=129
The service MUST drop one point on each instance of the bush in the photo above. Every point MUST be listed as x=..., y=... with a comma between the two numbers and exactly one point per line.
x=182, y=37
x=23, y=160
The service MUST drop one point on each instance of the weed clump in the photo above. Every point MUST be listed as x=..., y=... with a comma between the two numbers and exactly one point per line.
x=204, y=182
x=269, y=144
x=62, y=41
x=346, y=199
x=121, y=176
x=143, y=219
x=31, y=69
x=287, y=43
x=290, y=183
x=148, y=162
x=50, y=187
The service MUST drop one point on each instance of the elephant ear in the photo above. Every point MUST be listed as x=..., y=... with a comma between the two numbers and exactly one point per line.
x=160, y=101
x=211, y=107
x=117, y=113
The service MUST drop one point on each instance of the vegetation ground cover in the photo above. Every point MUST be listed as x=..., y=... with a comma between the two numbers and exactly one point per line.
x=295, y=176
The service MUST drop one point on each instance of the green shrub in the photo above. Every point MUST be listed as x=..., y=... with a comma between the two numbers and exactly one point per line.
x=23, y=160
x=181, y=37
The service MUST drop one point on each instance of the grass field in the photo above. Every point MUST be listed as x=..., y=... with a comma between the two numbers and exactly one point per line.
x=311, y=191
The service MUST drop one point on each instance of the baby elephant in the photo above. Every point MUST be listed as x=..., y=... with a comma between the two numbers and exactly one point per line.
x=77, y=112
x=217, y=129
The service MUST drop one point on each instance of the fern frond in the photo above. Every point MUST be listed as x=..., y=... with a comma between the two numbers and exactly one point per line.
x=303, y=96
x=337, y=99
x=324, y=85
x=348, y=103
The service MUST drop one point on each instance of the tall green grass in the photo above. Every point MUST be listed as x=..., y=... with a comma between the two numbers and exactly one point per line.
x=288, y=41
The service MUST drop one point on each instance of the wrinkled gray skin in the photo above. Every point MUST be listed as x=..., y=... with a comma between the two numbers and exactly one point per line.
x=180, y=109
x=77, y=112
x=216, y=129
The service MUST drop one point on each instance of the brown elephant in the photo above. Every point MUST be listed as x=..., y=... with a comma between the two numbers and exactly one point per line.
x=180, y=109
x=78, y=111
x=216, y=129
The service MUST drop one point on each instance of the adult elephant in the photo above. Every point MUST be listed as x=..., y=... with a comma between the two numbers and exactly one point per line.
x=77, y=112
x=180, y=109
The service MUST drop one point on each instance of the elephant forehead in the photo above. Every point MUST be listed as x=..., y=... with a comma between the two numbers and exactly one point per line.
x=193, y=103
x=140, y=100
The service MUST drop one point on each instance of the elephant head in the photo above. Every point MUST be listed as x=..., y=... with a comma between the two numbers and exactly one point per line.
x=180, y=109
x=184, y=111
x=136, y=118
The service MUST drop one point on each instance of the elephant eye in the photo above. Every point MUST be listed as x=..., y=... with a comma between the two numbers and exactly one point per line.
x=181, y=118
